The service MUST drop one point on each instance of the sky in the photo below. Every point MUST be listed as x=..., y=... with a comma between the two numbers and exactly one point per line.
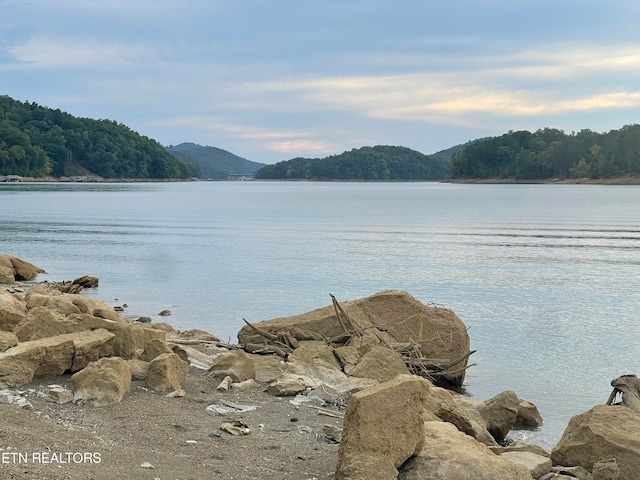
x=273, y=80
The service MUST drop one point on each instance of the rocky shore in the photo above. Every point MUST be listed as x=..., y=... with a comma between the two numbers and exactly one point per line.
x=355, y=390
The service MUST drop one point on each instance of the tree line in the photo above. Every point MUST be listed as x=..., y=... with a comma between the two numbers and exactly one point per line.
x=366, y=163
x=37, y=141
x=551, y=153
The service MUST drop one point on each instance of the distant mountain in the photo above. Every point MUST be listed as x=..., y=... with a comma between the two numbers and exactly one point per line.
x=37, y=141
x=381, y=162
x=452, y=151
x=213, y=162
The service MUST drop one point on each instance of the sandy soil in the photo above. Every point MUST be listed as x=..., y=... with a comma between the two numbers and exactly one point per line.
x=112, y=442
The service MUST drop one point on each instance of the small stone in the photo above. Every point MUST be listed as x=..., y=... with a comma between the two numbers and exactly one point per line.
x=225, y=384
x=22, y=403
x=176, y=393
x=6, y=396
x=235, y=428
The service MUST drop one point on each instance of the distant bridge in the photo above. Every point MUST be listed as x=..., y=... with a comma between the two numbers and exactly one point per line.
x=240, y=177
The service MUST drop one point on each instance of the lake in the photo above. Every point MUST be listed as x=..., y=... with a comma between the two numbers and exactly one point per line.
x=546, y=277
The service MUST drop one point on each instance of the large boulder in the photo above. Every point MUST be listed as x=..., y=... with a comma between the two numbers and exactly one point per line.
x=383, y=428
x=460, y=411
x=602, y=433
x=70, y=304
x=238, y=365
x=41, y=322
x=9, y=318
x=129, y=338
x=18, y=364
x=12, y=310
x=501, y=413
x=103, y=382
x=13, y=269
x=538, y=465
x=7, y=340
x=389, y=318
x=53, y=356
x=90, y=346
x=381, y=364
x=166, y=372
x=448, y=454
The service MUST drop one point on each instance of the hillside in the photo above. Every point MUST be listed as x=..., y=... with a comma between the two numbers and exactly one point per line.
x=551, y=153
x=214, y=162
x=366, y=163
x=37, y=141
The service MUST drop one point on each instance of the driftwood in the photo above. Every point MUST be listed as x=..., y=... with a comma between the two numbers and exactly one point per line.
x=285, y=342
x=628, y=388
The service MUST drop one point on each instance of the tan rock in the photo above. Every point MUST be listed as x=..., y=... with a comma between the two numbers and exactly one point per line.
x=7, y=275
x=103, y=382
x=463, y=413
x=9, y=318
x=14, y=269
x=449, y=454
x=18, y=364
x=7, y=340
x=528, y=415
x=312, y=354
x=129, y=337
x=70, y=304
x=41, y=322
x=90, y=346
x=500, y=412
x=538, y=465
x=348, y=357
x=389, y=317
x=602, y=433
x=196, y=334
x=53, y=355
x=518, y=446
x=58, y=357
x=166, y=372
x=381, y=364
x=138, y=368
x=12, y=310
x=606, y=470
x=153, y=348
x=288, y=386
x=237, y=364
x=181, y=351
x=383, y=427
x=268, y=367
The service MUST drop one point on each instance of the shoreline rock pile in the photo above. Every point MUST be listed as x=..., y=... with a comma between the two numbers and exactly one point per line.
x=385, y=358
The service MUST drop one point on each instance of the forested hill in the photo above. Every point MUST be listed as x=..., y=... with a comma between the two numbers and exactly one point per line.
x=551, y=153
x=366, y=163
x=36, y=141
x=213, y=162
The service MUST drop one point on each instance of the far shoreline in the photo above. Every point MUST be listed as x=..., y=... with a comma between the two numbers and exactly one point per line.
x=625, y=180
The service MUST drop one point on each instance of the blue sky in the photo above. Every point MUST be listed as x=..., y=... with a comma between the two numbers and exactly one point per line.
x=271, y=80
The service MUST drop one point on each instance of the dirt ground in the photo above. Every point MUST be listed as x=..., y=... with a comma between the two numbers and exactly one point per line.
x=69, y=441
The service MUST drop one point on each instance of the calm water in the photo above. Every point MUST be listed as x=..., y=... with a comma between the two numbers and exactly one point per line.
x=546, y=277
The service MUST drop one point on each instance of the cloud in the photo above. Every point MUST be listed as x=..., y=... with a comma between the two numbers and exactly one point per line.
x=276, y=140
x=545, y=81
x=85, y=53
